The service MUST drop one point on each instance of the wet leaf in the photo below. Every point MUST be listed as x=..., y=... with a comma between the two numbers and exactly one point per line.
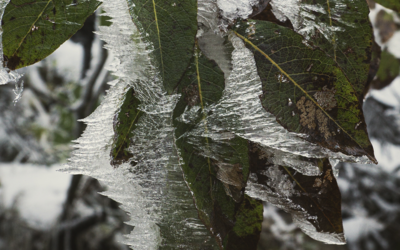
x=34, y=29
x=390, y=4
x=341, y=28
x=124, y=123
x=215, y=166
x=313, y=201
x=305, y=89
x=170, y=27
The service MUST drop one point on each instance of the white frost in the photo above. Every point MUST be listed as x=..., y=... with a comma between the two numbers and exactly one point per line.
x=358, y=227
x=152, y=191
x=232, y=9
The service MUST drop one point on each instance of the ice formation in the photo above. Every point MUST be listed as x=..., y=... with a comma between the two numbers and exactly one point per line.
x=302, y=16
x=153, y=190
x=232, y=9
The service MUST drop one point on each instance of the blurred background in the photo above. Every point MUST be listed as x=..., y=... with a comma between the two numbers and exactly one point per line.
x=41, y=208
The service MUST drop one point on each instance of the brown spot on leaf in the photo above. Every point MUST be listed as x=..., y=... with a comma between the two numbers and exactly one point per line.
x=328, y=176
x=326, y=98
x=311, y=116
x=191, y=95
x=231, y=174
x=307, y=116
x=323, y=124
x=13, y=62
x=317, y=183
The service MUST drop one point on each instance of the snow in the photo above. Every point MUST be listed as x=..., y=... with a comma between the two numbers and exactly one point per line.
x=37, y=191
x=387, y=155
x=71, y=54
x=389, y=95
x=359, y=227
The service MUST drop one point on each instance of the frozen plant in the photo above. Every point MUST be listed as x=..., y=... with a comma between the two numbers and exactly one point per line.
x=224, y=103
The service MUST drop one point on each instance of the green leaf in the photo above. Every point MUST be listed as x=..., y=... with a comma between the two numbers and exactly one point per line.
x=34, y=29
x=124, y=123
x=342, y=30
x=305, y=89
x=170, y=26
x=313, y=201
x=390, y=4
x=389, y=69
x=216, y=170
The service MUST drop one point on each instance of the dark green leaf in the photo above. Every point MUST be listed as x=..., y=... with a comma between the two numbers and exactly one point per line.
x=390, y=4
x=170, y=26
x=124, y=123
x=313, y=201
x=305, y=89
x=216, y=170
x=34, y=29
x=342, y=30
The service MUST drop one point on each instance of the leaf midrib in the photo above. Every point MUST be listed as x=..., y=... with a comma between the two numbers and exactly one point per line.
x=30, y=28
x=159, y=37
x=204, y=115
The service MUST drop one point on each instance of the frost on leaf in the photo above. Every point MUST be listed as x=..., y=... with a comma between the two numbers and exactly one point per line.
x=326, y=25
x=325, y=100
x=214, y=163
x=148, y=181
x=312, y=200
x=192, y=99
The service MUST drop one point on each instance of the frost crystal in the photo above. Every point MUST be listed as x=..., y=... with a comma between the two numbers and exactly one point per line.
x=152, y=191
x=232, y=9
x=240, y=111
x=302, y=16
